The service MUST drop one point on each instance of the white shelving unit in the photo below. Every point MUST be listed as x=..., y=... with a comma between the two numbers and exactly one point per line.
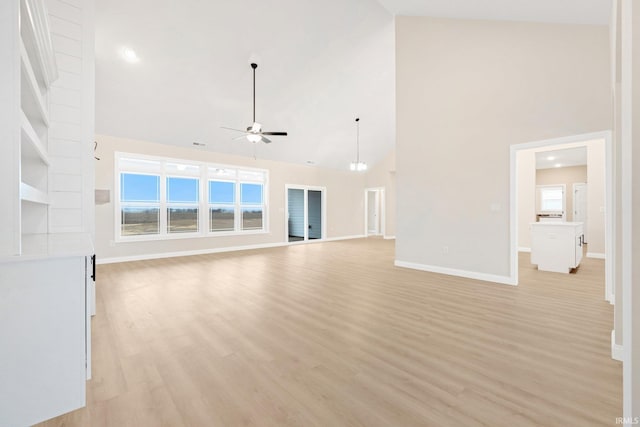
x=38, y=71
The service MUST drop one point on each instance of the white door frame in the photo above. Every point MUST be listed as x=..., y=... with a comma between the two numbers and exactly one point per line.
x=586, y=220
x=323, y=198
x=380, y=202
x=609, y=208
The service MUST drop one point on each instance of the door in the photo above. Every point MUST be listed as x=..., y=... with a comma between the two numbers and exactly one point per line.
x=305, y=213
x=374, y=212
x=314, y=214
x=580, y=206
x=295, y=210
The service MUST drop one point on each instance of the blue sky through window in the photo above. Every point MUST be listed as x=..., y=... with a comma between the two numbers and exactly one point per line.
x=181, y=190
x=221, y=192
x=251, y=194
x=139, y=188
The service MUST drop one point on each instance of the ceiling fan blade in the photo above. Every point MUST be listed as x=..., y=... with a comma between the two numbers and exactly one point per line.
x=240, y=137
x=266, y=140
x=237, y=130
x=275, y=133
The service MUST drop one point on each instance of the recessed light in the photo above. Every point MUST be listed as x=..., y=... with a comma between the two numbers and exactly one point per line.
x=551, y=158
x=129, y=54
x=558, y=165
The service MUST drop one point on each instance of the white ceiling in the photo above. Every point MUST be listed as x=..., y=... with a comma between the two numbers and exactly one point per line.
x=321, y=64
x=554, y=11
x=561, y=158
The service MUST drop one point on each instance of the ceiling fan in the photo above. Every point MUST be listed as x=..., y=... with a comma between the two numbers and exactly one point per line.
x=254, y=133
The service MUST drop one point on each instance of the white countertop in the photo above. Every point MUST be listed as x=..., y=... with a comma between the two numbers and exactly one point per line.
x=58, y=245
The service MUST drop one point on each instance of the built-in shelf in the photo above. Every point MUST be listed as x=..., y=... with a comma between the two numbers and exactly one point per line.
x=32, y=194
x=36, y=35
x=33, y=143
x=32, y=83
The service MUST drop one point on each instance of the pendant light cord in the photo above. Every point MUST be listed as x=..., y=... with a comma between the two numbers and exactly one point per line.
x=254, y=66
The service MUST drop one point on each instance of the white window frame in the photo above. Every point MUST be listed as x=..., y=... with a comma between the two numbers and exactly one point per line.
x=540, y=189
x=203, y=202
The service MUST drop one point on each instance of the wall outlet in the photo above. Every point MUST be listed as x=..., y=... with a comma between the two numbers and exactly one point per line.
x=112, y=242
x=445, y=250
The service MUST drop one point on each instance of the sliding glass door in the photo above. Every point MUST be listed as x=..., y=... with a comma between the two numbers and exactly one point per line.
x=305, y=213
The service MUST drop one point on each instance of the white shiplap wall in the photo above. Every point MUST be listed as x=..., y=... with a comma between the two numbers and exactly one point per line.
x=72, y=100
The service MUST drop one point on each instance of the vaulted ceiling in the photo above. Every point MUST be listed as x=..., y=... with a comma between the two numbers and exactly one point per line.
x=321, y=65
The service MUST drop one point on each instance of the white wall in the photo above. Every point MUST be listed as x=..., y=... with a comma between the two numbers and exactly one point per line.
x=596, y=200
x=466, y=91
x=526, y=181
x=630, y=141
x=345, y=201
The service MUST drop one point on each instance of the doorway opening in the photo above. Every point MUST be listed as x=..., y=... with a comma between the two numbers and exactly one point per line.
x=590, y=201
x=306, y=213
x=374, y=212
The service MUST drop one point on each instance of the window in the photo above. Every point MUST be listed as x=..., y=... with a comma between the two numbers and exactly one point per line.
x=251, y=204
x=140, y=204
x=165, y=198
x=551, y=198
x=222, y=200
x=182, y=205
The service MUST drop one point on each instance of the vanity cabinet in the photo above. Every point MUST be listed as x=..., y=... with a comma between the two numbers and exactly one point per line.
x=557, y=246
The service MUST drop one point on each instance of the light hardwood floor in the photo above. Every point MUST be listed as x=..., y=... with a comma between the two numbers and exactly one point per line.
x=332, y=334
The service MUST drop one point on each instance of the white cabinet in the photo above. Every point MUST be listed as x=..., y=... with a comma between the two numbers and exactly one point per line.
x=557, y=246
x=45, y=329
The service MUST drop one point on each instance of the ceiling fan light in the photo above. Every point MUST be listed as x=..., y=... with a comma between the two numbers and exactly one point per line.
x=254, y=137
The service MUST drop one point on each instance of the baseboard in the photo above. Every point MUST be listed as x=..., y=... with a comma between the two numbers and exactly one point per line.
x=505, y=280
x=595, y=255
x=389, y=237
x=523, y=249
x=616, y=349
x=145, y=257
x=161, y=255
x=334, y=239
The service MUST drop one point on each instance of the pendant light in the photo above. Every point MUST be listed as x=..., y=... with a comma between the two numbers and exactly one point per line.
x=358, y=166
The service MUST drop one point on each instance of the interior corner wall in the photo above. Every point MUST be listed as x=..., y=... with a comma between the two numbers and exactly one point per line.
x=467, y=90
x=383, y=174
x=344, y=198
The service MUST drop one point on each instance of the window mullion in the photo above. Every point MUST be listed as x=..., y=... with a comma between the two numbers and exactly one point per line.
x=163, y=201
x=238, y=210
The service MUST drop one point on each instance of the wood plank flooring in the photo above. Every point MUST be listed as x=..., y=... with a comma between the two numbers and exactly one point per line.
x=332, y=334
